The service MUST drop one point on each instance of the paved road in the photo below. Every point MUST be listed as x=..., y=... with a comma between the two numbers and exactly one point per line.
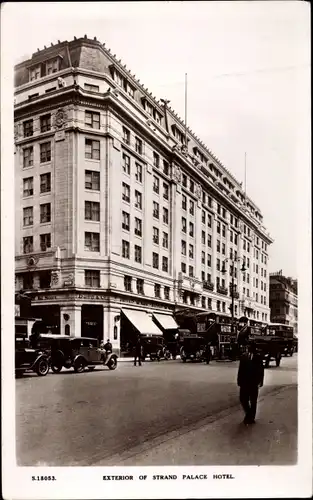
x=88, y=418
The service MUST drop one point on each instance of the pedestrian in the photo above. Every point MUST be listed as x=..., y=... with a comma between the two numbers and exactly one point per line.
x=250, y=378
x=138, y=351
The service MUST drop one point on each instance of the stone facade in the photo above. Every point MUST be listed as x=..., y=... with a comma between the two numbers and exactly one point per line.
x=135, y=218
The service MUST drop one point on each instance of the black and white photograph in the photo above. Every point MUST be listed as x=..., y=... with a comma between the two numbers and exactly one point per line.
x=156, y=250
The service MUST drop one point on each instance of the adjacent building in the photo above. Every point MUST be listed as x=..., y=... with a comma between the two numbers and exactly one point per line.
x=284, y=300
x=121, y=211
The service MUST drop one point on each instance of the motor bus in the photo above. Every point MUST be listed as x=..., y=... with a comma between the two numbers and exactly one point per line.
x=220, y=332
x=286, y=335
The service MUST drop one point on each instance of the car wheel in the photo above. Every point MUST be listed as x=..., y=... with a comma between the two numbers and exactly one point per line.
x=91, y=368
x=152, y=358
x=56, y=368
x=174, y=356
x=79, y=366
x=112, y=364
x=42, y=367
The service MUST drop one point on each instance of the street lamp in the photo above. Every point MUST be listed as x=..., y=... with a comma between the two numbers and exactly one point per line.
x=223, y=270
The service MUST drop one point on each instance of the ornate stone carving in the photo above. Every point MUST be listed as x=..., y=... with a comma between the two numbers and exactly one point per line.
x=60, y=118
x=55, y=276
x=69, y=281
x=198, y=191
x=32, y=261
x=177, y=174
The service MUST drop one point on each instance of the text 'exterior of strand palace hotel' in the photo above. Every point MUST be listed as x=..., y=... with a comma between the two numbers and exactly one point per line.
x=115, y=217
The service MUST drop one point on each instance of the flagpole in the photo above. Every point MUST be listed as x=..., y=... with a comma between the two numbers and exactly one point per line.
x=186, y=109
x=245, y=178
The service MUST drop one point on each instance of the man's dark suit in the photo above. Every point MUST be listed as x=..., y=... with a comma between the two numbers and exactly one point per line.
x=250, y=378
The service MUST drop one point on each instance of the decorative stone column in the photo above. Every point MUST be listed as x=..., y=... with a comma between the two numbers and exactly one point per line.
x=70, y=320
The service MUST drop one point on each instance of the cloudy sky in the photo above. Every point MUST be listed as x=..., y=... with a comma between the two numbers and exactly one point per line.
x=248, y=73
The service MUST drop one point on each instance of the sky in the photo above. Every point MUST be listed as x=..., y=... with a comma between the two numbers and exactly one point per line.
x=248, y=67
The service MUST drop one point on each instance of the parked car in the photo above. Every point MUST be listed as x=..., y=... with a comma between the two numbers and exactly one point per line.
x=75, y=352
x=154, y=347
x=29, y=359
x=195, y=348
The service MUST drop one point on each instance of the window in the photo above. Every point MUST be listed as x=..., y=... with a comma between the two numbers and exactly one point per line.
x=165, y=240
x=138, y=173
x=156, y=184
x=191, y=271
x=125, y=192
x=218, y=264
x=209, y=240
x=138, y=199
x=28, y=157
x=155, y=237
x=92, y=242
x=167, y=292
x=128, y=283
x=140, y=286
x=191, y=229
x=28, y=128
x=45, y=183
x=157, y=290
x=231, y=236
x=28, y=219
x=125, y=219
x=191, y=207
x=165, y=167
x=219, y=209
x=165, y=191
x=202, y=275
x=184, y=180
x=155, y=260
x=209, y=303
x=138, y=145
x=203, y=238
x=218, y=246
x=126, y=135
x=191, y=251
x=223, y=249
x=244, y=244
x=130, y=91
x=209, y=260
x=92, y=88
x=223, y=230
x=224, y=213
x=52, y=66
x=192, y=186
x=92, y=149
x=236, y=239
x=92, y=180
x=51, y=89
x=248, y=262
x=165, y=215
x=45, y=213
x=28, y=244
x=218, y=305
x=184, y=202
x=45, y=123
x=183, y=267
x=156, y=212
x=165, y=264
x=156, y=160
x=203, y=217
x=203, y=302
x=125, y=249
x=138, y=257
x=35, y=73
x=183, y=247
x=202, y=257
x=223, y=306
x=45, y=152
x=138, y=227
x=45, y=241
x=218, y=227
x=183, y=225
x=92, y=278
x=28, y=186
x=126, y=164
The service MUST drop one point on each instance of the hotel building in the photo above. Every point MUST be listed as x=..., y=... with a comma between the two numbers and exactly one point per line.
x=122, y=213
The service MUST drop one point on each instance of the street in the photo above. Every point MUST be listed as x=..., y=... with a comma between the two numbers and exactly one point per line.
x=153, y=414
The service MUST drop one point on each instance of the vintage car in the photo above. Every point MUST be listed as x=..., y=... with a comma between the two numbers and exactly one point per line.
x=154, y=347
x=195, y=348
x=75, y=352
x=28, y=359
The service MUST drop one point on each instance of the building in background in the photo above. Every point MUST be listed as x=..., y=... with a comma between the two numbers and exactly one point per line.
x=121, y=211
x=284, y=300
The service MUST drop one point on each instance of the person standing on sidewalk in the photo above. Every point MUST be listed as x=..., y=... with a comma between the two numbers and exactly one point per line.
x=250, y=378
x=138, y=351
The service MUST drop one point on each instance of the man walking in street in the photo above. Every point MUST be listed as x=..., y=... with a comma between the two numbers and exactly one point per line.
x=138, y=351
x=250, y=378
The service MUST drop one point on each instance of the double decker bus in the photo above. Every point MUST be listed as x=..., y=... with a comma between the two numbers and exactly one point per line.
x=220, y=333
x=285, y=334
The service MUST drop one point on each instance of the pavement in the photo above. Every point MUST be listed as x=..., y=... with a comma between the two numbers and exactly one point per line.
x=272, y=440
x=166, y=413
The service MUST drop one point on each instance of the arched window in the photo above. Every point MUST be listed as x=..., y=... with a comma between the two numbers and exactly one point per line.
x=67, y=329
